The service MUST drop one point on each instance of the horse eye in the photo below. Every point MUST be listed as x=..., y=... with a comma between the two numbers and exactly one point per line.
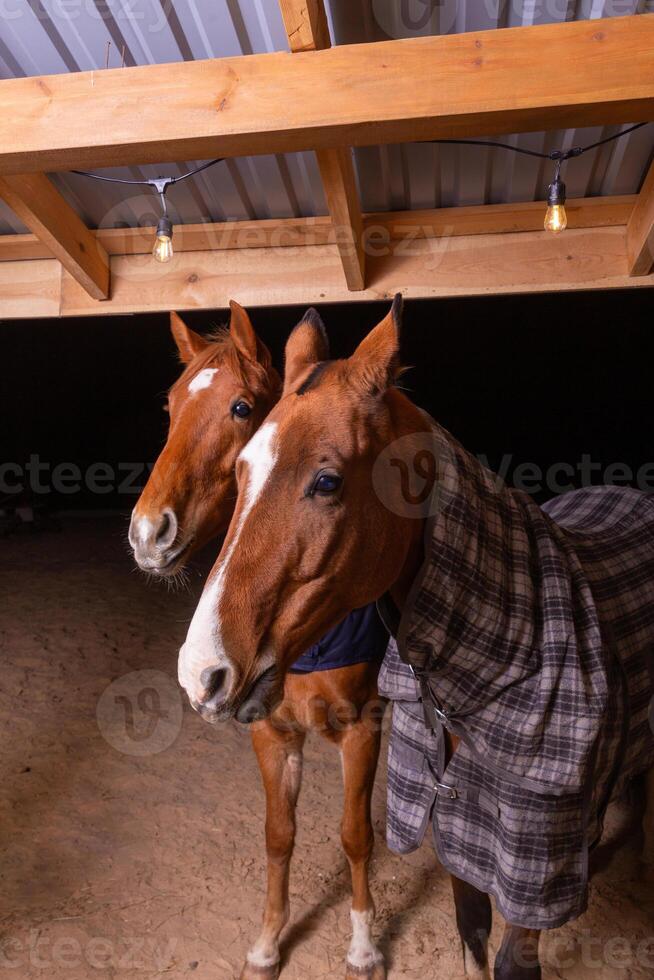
x=327, y=483
x=241, y=409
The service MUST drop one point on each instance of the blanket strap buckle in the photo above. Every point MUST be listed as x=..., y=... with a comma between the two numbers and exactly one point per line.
x=434, y=715
x=449, y=791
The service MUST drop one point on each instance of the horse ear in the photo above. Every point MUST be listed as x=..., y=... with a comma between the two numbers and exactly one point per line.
x=189, y=343
x=375, y=363
x=245, y=339
x=242, y=331
x=306, y=346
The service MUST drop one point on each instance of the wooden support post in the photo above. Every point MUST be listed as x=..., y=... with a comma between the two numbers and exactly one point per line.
x=307, y=30
x=640, y=230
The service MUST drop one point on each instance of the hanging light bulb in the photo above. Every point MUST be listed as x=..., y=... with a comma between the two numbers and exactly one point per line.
x=163, y=243
x=556, y=220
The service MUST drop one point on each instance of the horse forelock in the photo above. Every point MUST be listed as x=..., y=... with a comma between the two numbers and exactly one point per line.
x=259, y=376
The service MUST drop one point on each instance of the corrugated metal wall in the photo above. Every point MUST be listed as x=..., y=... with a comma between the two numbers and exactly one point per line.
x=49, y=36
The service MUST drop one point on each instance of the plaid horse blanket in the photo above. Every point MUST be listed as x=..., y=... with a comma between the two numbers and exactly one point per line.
x=529, y=634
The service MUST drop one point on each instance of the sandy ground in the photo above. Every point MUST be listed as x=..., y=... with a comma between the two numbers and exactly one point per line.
x=132, y=831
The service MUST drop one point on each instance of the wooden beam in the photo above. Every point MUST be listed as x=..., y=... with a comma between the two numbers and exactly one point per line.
x=30, y=289
x=640, y=230
x=583, y=212
x=530, y=262
x=34, y=199
x=267, y=233
x=306, y=24
x=590, y=212
x=457, y=85
x=306, y=28
x=337, y=173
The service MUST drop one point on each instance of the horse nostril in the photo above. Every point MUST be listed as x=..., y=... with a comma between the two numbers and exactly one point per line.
x=167, y=529
x=213, y=680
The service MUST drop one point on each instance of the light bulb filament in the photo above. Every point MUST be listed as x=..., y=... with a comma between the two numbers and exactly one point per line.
x=556, y=220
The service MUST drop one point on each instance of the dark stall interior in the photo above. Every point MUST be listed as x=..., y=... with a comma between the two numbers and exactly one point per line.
x=553, y=391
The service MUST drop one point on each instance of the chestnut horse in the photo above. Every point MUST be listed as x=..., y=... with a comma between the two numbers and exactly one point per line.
x=306, y=521
x=226, y=390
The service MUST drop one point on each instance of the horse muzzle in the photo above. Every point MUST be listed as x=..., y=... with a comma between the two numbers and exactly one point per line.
x=259, y=701
x=155, y=543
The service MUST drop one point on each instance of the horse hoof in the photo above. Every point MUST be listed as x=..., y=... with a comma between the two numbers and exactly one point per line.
x=375, y=972
x=252, y=972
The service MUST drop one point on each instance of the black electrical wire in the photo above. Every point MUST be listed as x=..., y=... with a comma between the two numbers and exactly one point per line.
x=153, y=181
x=559, y=155
x=161, y=184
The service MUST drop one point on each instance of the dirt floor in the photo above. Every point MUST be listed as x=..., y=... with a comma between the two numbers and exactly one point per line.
x=132, y=831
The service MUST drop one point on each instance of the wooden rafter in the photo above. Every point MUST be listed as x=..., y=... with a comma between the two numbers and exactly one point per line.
x=306, y=24
x=471, y=84
x=640, y=230
x=593, y=258
x=405, y=226
x=306, y=28
x=38, y=204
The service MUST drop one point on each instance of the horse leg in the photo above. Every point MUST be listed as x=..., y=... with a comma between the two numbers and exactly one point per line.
x=474, y=918
x=360, y=752
x=518, y=955
x=279, y=754
x=647, y=857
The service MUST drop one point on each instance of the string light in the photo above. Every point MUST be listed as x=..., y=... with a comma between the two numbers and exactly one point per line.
x=162, y=250
x=556, y=219
x=555, y=216
x=163, y=243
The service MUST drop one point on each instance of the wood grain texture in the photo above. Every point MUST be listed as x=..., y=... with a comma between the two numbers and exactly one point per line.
x=31, y=289
x=529, y=262
x=306, y=28
x=640, y=230
x=591, y=212
x=34, y=199
x=460, y=85
x=306, y=25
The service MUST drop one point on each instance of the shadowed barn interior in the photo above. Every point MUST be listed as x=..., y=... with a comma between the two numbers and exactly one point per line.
x=132, y=832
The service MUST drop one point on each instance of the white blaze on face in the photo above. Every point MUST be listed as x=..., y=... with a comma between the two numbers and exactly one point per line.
x=204, y=645
x=201, y=380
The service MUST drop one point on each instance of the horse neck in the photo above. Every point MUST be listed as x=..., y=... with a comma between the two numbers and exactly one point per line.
x=407, y=419
x=471, y=478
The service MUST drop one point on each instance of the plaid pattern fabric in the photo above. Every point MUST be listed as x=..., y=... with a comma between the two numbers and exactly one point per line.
x=534, y=631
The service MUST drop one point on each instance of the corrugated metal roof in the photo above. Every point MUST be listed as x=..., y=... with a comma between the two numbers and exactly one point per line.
x=47, y=37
